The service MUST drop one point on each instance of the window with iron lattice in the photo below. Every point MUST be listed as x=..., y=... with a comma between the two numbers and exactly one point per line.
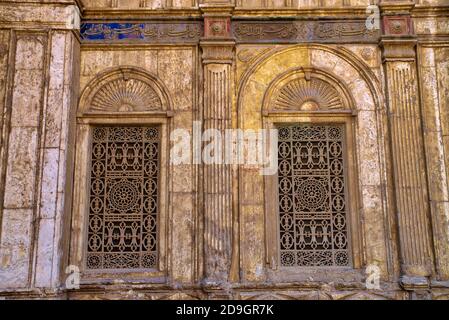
x=313, y=209
x=123, y=212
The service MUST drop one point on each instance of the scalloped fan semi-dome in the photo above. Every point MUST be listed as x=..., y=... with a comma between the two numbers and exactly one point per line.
x=302, y=94
x=130, y=95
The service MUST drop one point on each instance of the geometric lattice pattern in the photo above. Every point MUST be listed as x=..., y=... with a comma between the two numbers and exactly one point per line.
x=312, y=196
x=123, y=213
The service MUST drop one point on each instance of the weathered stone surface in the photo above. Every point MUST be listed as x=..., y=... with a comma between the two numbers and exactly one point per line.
x=373, y=228
x=27, y=98
x=176, y=69
x=361, y=94
x=345, y=71
x=49, y=183
x=323, y=60
x=218, y=224
x=93, y=62
x=47, y=15
x=442, y=71
x=433, y=73
x=42, y=83
x=45, y=244
x=252, y=243
x=368, y=54
x=252, y=187
x=57, y=61
x=16, y=243
x=21, y=171
x=368, y=148
x=183, y=181
x=183, y=225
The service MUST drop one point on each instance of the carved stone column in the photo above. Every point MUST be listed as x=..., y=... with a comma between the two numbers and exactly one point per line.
x=408, y=162
x=218, y=53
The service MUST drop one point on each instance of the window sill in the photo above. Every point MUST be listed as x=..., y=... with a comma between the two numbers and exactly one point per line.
x=311, y=274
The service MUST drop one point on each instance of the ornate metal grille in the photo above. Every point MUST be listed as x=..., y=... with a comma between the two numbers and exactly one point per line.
x=312, y=196
x=123, y=211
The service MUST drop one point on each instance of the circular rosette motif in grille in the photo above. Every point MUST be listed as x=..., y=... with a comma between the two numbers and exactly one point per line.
x=124, y=196
x=312, y=195
x=126, y=95
x=307, y=95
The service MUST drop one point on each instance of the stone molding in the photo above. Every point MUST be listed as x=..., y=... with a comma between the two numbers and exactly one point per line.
x=218, y=52
x=65, y=15
x=398, y=49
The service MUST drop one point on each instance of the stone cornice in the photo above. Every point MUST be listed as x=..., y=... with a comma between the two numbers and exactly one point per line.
x=43, y=3
x=306, y=13
x=237, y=13
x=258, y=13
x=216, y=10
x=105, y=14
x=55, y=15
x=430, y=11
x=394, y=7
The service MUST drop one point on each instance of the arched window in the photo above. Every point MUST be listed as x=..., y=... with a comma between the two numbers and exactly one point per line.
x=313, y=201
x=119, y=175
x=313, y=227
x=123, y=198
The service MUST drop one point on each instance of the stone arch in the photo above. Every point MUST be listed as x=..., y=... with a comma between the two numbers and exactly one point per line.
x=124, y=90
x=132, y=102
x=337, y=62
x=362, y=90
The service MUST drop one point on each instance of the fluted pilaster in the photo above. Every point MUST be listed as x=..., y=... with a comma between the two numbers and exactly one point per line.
x=218, y=53
x=408, y=160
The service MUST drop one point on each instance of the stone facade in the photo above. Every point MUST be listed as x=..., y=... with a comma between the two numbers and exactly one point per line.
x=223, y=64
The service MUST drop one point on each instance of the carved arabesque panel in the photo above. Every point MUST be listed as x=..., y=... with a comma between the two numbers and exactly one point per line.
x=123, y=195
x=312, y=196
